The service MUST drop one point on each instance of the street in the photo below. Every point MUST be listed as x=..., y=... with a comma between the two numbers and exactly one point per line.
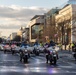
x=10, y=65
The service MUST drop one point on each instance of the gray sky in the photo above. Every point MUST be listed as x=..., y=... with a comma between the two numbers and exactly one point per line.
x=17, y=13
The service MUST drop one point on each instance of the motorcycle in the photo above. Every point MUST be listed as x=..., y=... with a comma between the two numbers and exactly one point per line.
x=36, y=50
x=52, y=56
x=24, y=56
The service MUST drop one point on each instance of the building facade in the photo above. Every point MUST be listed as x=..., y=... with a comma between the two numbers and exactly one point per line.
x=66, y=24
x=13, y=35
x=25, y=34
x=49, y=27
x=36, y=26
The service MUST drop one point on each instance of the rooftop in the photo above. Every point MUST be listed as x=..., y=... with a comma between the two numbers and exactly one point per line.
x=67, y=3
x=37, y=16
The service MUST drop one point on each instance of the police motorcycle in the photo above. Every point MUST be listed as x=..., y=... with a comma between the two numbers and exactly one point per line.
x=41, y=49
x=30, y=49
x=13, y=48
x=36, y=50
x=52, y=55
x=74, y=52
x=24, y=56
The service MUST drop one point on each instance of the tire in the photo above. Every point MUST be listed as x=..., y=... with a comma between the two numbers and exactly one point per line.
x=13, y=52
x=37, y=53
x=50, y=59
x=25, y=59
x=75, y=57
x=29, y=55
x=20, y=59
x=55, y=61
x=50, y=62
x=5, y=51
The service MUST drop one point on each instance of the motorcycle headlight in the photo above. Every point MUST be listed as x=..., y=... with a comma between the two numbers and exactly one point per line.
x=54, y=51
x=53, y=47
x=25, y=50
x=51, y=52
x=36, y=48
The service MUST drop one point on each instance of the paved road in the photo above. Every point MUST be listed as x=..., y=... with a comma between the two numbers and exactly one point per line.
x=10, y=65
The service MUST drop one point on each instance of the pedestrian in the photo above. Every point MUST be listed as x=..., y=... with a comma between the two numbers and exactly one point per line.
x=73, y=46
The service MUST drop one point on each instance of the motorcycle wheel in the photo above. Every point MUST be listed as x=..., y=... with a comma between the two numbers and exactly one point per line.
x=55, y=61
x=37, y=54
x=50, y=62
x=25, y=59
x=75, y=57
x=5, y=51
x=13, y=52
x=29, y=55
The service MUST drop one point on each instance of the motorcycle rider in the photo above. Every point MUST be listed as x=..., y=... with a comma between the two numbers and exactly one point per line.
x=21, y=51
x=51, y=43
x=35, y=44
x=48, y=52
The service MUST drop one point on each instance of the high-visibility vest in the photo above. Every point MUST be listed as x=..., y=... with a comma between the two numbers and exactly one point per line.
x=72, y=44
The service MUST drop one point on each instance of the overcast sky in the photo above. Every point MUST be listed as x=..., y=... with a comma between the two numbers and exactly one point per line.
x=17, y=13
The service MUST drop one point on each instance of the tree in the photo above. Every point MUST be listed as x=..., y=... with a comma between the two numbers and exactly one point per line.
x=49, y=28
x=17, y=38
x=64, y=27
